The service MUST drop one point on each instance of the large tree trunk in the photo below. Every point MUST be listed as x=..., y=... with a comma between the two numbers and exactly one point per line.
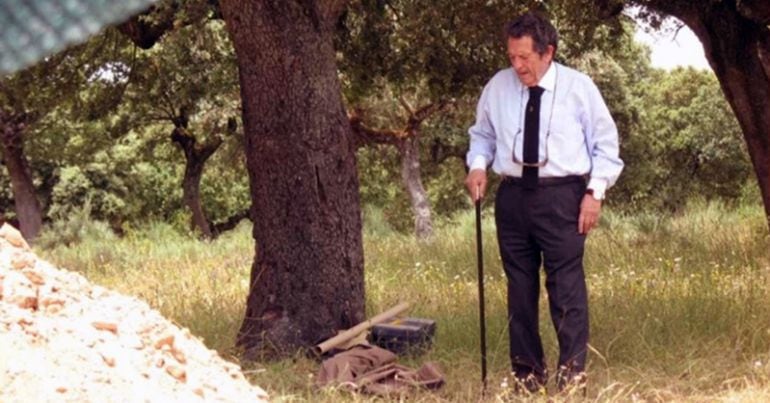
x=307, y=277
x=409, y=150
x=28, y=209
x=195, y=159
x=736, y=41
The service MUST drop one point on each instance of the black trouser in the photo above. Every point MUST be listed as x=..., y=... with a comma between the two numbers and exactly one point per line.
x=541, y=226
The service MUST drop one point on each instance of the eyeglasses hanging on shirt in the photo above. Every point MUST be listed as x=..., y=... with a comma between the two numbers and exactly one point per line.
x=519, y=133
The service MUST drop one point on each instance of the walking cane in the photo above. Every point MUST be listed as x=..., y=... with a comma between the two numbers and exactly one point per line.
x=480, y=260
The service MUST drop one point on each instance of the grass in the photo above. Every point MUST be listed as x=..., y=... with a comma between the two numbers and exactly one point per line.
x=679, y=305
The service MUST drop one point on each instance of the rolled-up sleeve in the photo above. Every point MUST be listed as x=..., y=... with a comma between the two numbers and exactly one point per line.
x=482, y=135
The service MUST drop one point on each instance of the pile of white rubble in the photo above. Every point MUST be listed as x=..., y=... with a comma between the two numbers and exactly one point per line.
x=64, y=339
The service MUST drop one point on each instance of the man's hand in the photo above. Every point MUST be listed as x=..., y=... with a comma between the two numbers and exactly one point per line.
x=476, y=182
x=589, y=214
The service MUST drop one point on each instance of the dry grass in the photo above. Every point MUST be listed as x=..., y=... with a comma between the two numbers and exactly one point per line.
x=679, y=306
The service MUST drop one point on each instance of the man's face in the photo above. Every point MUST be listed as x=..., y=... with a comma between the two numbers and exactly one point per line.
x=529, y=65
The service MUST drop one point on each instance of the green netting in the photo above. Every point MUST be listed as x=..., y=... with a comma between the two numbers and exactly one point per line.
x=32, y=29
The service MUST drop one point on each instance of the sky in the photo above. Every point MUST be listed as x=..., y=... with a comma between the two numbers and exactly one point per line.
x=671, y=48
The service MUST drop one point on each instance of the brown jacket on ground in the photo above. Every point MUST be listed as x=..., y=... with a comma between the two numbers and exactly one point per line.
x=371, y=369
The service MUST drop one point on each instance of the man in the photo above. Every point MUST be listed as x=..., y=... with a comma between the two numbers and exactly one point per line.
x=546, y=130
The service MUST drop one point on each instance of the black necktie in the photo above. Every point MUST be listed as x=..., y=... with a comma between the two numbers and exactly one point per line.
x=532, y=137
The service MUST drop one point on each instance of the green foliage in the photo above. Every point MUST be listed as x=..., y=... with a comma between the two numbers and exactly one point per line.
x=190, y=81
x=688, y=143
x=382, y=190
x=447, y=194
x=75, y=187
x=103, y=112
x=96, y=134
x=396, y=40
x=380, y=186
x=225, y=186
x=119, y=185
x=44, y=97
x=74, y=227
x=192, y=72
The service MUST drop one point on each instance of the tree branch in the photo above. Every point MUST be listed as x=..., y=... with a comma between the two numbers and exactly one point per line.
x=146, y=29
x=205, y=150
x=155, y=117
x=364, y=135
x=181, y=136
x=229, y=223
x=405, y=104
x=755, y=10
x=424, y=112
x=428, y=110
x=440, y=152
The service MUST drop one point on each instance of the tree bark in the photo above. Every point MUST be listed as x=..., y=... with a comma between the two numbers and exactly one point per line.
x=27, y=205
x=307, y=276
x=736, y=41
x=195, y=159
x=409, y=151
x=192, y=196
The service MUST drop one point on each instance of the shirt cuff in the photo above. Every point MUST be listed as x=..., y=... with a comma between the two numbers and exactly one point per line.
x=598, y=185
x=478, y=163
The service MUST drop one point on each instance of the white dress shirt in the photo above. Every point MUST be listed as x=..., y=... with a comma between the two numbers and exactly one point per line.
x=583, y=138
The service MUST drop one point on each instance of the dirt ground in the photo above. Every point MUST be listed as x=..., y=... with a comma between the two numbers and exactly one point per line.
x=63, y=339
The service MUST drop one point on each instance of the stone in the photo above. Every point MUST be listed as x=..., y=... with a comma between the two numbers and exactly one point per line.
x=179, y=356
x=19, y=291
x=13, y=236
x=54, y=309
x=31, y=331
x=33, y=276
x=104, y=325
x=177, y=372
x=48, y=295
x=22, y=260
x=108, y=359
x=165, y=340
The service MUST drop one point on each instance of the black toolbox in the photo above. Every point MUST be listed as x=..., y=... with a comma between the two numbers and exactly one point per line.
x=404, y=335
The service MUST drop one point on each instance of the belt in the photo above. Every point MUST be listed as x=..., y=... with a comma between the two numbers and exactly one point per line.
x=548, y=181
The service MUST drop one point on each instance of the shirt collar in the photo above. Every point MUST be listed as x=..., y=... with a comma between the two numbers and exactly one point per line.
x=548, y=82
